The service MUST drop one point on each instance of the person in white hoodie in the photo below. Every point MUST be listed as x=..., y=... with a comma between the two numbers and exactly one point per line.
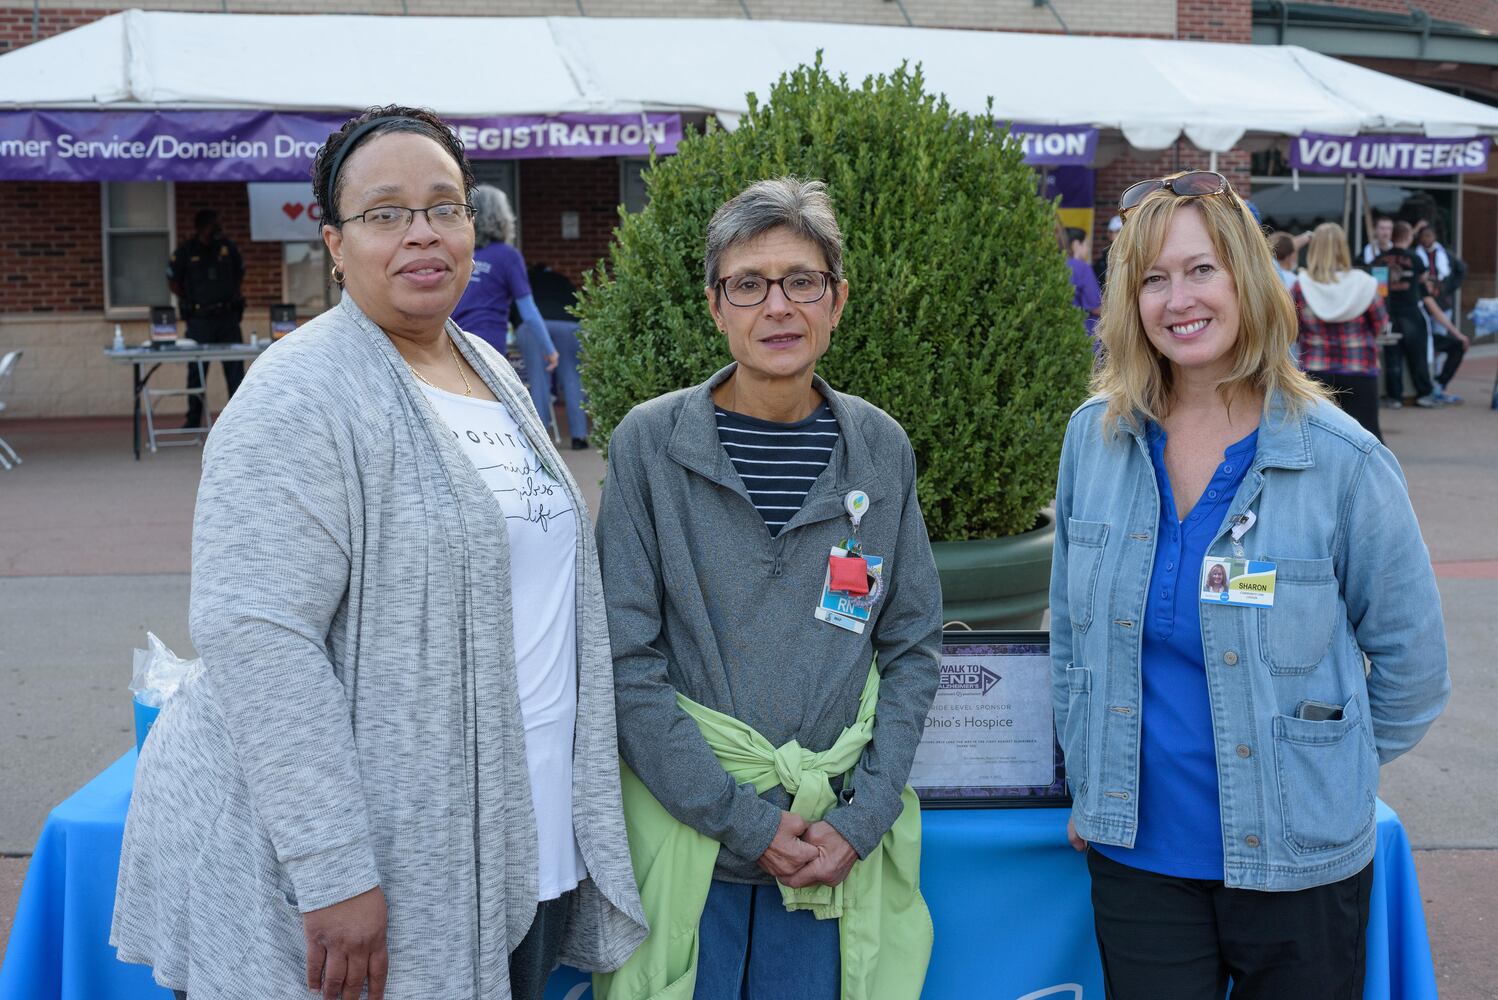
x=1341, y=316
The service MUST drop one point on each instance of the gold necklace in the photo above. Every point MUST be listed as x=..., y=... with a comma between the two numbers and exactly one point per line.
x=467, y=387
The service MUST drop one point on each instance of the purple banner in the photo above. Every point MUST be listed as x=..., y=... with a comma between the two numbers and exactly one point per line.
x=523, y=137
x=1056, y=145
x=278, y=146
x=1388, y=155
x=1073, y=185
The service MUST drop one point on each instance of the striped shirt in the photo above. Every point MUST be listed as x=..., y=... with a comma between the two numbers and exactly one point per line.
x=778, y=462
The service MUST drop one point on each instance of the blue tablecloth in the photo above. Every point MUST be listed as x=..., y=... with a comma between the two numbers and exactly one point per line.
x=1008, y=897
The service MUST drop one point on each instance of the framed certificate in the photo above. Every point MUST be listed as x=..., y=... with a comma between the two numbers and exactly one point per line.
x=990, y=737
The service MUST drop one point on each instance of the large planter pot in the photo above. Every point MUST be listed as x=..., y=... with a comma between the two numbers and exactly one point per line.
x=998, y=582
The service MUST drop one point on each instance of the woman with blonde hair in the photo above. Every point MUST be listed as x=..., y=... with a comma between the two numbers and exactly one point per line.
x=1341, y=316
x=1223, y=754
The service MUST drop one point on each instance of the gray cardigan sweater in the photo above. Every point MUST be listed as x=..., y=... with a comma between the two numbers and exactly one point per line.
x=358, y=722
x=703, y=601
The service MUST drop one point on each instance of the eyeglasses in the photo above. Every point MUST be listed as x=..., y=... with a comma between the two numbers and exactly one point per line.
x=804, y=287
x=1196, y=184
x=397, y=218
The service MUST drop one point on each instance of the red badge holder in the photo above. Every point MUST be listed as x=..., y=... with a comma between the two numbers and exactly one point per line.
x=848, y=575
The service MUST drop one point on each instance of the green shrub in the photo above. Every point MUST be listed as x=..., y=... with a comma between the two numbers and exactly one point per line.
x=959, y=321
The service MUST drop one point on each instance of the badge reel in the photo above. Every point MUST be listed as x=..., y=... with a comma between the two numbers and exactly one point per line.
x=1239, y=581
x=852, y=583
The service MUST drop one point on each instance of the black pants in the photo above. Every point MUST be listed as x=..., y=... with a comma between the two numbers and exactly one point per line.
x=1409, y=351
x=220, y=329
x=534, y=958
x=1357, y=395
x=1454, y=354
x=532, y=961
x=1167, y=938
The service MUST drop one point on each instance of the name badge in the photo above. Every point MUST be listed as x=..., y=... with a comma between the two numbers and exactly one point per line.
x=850, y=611
x=1244, y=582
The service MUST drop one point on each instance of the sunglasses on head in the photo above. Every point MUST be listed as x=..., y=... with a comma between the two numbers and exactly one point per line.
x=1196, y=184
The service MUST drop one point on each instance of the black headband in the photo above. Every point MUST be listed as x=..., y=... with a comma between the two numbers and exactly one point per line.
x=348, y=147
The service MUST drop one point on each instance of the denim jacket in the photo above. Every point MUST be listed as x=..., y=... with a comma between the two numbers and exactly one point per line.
x=1353, y=580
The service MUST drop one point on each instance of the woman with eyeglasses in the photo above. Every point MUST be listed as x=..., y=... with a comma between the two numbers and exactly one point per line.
x=1223, y=745
x=498, y=281
x=763, y=550
x=398, y=773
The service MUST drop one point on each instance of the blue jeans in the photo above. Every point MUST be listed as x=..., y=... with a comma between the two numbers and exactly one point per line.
x=532, y=350
x=537, y=378
x=752, y=948
x=564, y=335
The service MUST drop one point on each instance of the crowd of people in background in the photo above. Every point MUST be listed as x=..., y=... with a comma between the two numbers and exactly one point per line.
x=1389, y=310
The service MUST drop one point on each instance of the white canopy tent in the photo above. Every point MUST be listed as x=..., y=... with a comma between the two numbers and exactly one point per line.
x=1149, y=91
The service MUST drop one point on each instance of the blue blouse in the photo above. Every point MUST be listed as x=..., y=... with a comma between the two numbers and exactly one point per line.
x=1180, y=828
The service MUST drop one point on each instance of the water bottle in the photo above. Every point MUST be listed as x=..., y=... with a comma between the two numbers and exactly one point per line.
x=119, y=338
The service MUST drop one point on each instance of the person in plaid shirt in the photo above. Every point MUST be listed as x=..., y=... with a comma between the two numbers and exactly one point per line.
x=1341, y=316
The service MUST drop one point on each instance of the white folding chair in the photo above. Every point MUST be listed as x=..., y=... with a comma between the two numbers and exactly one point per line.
x=8, y=456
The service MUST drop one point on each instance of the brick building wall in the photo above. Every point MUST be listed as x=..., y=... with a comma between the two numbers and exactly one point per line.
x=549, y=188
x=17, y=27
x=51, y=256
x=55, y=263
x=1214, y=21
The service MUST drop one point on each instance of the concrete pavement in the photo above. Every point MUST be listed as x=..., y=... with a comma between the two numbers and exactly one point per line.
x=94, y=550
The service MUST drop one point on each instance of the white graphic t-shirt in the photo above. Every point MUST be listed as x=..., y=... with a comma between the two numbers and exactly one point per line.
x=543, y=545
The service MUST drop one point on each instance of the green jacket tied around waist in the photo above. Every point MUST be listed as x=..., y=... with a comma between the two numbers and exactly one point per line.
x=885, y=929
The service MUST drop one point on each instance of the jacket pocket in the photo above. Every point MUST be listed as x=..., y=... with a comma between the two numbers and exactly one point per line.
x=1074, y=736
x=1327, y=778
x=1084, y=560
x=1296, y=633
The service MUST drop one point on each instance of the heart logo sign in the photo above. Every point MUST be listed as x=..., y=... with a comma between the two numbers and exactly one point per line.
x=293, y=209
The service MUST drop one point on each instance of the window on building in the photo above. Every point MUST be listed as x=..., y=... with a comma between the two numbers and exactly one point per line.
x=138, y=221
x=632, y=193
x=505, y=175
x=307, y=278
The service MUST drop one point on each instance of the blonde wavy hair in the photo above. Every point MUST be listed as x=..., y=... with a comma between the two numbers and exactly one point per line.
x=1134, y=378
x=1327, y=256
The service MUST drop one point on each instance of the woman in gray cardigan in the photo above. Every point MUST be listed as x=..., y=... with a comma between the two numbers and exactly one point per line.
x=398, y=771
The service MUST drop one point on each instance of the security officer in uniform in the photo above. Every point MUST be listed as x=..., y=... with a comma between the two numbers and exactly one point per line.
x=205, y=273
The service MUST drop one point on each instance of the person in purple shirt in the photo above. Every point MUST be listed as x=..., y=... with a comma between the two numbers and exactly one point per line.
x=1088, y=296
x=498, y=280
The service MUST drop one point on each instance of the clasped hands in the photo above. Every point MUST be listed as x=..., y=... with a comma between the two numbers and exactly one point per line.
x=804, y=854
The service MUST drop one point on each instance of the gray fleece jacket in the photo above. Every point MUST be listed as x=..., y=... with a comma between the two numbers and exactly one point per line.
x=703, y=601
x=358, y=721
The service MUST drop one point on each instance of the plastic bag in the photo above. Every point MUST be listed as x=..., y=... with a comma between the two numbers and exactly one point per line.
x=159, y=673
x=1484, y=316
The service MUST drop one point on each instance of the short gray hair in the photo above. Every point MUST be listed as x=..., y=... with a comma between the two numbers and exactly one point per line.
x=493, y=219
x=782, y=203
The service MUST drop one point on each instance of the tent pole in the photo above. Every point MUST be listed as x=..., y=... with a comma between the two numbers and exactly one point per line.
x=1454, y=234
x=1366, y=217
